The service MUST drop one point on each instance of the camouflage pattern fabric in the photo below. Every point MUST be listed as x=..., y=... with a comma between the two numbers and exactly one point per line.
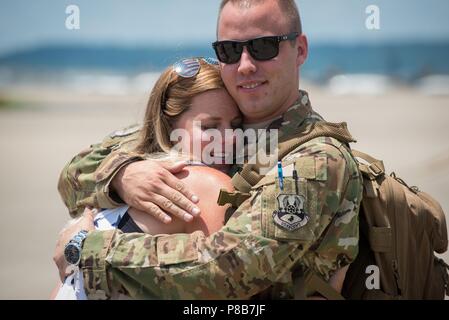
x=311, y=222
x=78, y=184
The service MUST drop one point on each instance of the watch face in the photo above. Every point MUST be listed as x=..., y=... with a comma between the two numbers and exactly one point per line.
x=72, y=253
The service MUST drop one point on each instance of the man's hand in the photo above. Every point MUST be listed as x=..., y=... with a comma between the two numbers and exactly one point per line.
x=150, y=186
x=85, y=222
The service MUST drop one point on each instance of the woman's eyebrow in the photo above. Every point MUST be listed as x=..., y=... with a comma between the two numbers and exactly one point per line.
x=212, y=118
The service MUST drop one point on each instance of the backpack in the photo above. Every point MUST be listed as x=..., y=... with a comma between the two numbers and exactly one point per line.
x=401, y=228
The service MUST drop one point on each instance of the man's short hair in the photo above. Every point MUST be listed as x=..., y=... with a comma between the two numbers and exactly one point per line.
x=288, y=8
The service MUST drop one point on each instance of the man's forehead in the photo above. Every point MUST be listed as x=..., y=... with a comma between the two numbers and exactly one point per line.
x=242, y=23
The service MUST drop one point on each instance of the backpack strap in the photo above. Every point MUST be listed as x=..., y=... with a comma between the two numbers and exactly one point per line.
x=314, y=283
x=245, y=179
x=375, y=168
x=249, y=176
x=234, y=198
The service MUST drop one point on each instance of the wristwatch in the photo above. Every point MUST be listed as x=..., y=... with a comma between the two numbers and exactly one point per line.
x=72, y=250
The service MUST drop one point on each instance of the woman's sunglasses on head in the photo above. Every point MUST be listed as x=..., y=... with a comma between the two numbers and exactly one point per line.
x=188, y=68
x=263, y=48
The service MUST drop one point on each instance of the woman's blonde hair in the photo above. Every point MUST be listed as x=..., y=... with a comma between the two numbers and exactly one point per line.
x=171, y=96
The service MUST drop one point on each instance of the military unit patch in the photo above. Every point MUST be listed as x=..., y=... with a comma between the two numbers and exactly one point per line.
x=291, y=214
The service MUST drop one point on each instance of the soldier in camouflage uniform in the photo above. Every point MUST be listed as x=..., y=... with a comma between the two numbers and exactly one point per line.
x=257, y=250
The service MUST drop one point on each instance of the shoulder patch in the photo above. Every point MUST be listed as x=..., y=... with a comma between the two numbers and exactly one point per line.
x=290, y=215
x=125, y=132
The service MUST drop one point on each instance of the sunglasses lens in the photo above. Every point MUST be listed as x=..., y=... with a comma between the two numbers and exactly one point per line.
x=210, y=60
x=228, y=51
x=187, y=68
x=263, y=48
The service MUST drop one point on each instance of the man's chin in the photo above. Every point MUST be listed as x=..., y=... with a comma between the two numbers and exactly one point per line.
x=254, y=110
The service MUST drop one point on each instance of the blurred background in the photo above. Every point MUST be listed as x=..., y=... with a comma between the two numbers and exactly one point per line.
x=64, y=86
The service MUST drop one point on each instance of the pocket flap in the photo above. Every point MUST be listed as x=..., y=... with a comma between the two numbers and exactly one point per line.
x=380, y=239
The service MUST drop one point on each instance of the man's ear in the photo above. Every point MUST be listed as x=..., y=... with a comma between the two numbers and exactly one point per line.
x=303, y=49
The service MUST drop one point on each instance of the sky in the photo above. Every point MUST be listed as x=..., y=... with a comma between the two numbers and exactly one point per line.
x=25, y=24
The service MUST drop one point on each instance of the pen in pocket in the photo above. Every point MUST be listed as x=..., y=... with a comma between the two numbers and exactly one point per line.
x=295, y=177
x=280, y=176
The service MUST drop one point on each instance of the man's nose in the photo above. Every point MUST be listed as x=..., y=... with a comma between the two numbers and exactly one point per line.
x=247, y=64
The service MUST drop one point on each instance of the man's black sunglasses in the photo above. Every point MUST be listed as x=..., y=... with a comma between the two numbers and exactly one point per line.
x=263, y=48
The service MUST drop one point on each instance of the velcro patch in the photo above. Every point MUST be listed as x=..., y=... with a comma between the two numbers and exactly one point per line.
x=305, y=166
x=312, y=167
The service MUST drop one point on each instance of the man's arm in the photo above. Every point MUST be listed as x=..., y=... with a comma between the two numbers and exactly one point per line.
x=243, y=258
x=77, y=183
x=110, y=173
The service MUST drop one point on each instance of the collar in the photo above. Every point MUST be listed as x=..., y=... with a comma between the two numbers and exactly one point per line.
x=259, y=125
x=299, y=113
x=295, y=116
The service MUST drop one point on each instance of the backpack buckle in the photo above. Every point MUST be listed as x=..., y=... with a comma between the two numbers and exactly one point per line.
x=235, y=198
x=375, y=170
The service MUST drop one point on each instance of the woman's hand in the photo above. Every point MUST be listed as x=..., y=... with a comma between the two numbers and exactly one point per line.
x=151, y=187
x=85, y=222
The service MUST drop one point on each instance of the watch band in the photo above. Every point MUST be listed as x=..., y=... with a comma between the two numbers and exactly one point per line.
x=80, y=236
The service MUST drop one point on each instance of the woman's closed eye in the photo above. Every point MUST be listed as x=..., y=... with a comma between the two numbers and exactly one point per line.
x=236, y=123
x=209, y=126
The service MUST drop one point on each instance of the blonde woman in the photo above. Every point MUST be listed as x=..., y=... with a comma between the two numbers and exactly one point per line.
x=191, y=96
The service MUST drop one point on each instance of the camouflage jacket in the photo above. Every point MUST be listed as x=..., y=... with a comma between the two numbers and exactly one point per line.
x=78, y=183
x=255, y=250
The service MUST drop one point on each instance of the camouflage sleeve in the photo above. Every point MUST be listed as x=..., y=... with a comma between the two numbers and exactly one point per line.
x=338, y=245
x=78, y=184
x=262, y=242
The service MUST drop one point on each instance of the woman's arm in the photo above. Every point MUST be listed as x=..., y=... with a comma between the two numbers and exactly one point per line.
x=55, y=291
